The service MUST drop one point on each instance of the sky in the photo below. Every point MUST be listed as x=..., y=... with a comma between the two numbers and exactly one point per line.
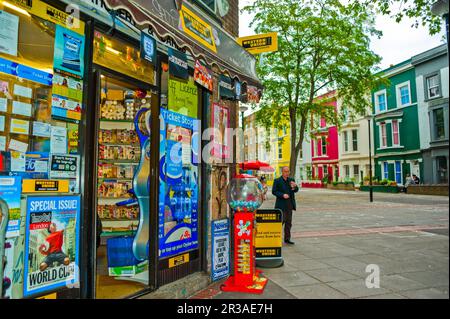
x=399, y=42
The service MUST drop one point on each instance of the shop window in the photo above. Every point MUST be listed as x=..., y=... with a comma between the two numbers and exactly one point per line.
x=41, y=107
x=121, y=57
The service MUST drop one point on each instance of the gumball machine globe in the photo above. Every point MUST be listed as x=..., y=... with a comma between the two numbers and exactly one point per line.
x=245, y=193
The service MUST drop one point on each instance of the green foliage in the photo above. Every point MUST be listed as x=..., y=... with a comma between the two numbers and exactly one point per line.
x=419, y=10
x=323, y=45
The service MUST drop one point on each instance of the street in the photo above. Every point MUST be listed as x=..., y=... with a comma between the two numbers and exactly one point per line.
x=338, y=234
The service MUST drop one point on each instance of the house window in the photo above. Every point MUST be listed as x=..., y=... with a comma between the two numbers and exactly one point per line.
x=398, y=172
x=355, y=171
x=433, y=87
x=383, y=135
x=347, y=170
x=210, y=4
x=441, y=163
x=403, y=94
x=345, y=141
x=355, y=140
x=380, y=101
x=395, y=133
x=324, y=146
x=385, y=170
x=284, y=130
x=439, y=123
x=280, y=150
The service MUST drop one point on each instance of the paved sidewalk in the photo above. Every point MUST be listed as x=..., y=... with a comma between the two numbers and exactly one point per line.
x=339, y=233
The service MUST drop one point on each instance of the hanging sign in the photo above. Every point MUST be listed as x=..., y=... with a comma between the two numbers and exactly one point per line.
x=226, y=88
x=148, y=48
x=197, y=28
x=260, y=43
x=178, y=64
x=203, y=76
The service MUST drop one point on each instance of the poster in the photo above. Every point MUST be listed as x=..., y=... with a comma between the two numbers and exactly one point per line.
x=203, y=76
x=18, y=162
x=65, y=84
x=69, y=51
x=220, y=249
x=9, y=37
x=41, y=129
x=58, y=140
x=25, y=72
x=179, y=193
x=65, y=109
x=219, y=193
x=51, y=243
x=64, y=166
x=221, y=122
x=10, y=191
x=178, y=64
x=19, y=126
x=268, y=240
x=183, y=97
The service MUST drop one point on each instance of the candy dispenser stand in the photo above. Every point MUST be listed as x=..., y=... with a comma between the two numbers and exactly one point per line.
x=244, y=198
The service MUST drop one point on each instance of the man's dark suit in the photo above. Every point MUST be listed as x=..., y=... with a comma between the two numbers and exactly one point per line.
x=281, y=187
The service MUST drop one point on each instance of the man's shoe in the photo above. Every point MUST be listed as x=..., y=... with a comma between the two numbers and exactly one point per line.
x=289, y=242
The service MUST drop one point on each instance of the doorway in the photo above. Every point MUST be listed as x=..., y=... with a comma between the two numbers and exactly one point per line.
x=123, y=180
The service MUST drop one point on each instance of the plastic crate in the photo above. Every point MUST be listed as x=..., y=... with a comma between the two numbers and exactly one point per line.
x=119, y=251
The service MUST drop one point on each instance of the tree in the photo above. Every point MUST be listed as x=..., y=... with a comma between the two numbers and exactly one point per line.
x=322, y=45
x=419, y=10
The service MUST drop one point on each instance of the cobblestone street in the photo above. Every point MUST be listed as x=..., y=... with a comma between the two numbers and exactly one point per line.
x=338, y=234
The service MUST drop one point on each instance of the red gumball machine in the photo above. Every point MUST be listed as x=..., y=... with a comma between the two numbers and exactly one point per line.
x=244, y=197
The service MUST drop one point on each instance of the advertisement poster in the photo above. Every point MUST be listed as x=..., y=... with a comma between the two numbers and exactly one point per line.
x=58, y=140
x=183, y=97
x=219, y=193
x=148, y=48
x=20, y=127
x=178, y=198
x=32, y=165
x=25, y=72
x=9, y=37
x=221, y=121
x=203, y=76
x=268, y=240
x=220, y=249
x=51, y=243
x=178, y=64
x=65, y=109
x=65, y=84
x=69, y=51
x=64, y=166
x=10, y=191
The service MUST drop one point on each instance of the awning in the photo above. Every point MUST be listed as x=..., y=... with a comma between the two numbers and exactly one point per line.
x=193, y=31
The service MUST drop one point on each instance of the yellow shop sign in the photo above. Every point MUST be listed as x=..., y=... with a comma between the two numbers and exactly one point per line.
x=49, y=13
x=197, y=29
x=45, y=186
x=260, y=43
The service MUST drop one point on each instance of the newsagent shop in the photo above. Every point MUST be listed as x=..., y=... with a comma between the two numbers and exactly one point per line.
x=104, y=192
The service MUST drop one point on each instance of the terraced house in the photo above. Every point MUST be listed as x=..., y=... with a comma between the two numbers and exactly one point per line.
x=396, y=125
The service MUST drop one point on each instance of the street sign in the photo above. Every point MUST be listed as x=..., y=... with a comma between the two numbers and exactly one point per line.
x=260, y=43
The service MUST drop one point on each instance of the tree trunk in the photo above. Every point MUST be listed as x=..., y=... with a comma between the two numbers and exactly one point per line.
x=296, y=147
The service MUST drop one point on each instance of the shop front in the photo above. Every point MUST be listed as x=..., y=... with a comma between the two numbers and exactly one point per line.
x=102, y=111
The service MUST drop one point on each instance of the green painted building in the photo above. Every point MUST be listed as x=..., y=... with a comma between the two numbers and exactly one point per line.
x=396, y=125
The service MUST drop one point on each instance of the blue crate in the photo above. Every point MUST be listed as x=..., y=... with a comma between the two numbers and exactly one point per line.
x=119, y=251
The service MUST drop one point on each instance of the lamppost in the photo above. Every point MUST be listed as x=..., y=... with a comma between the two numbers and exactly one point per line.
x=369, y=120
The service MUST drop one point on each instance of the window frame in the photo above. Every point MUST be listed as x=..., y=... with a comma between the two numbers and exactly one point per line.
x=427, y=89
x=435, y=126
x=385, y=170
x=280, y=150
x=383, y=127
x=398, y=172
x=345, y=138
x=377, y=105
x=398, y=94
x=353, y=141
x=393, y=132
x=322, y=144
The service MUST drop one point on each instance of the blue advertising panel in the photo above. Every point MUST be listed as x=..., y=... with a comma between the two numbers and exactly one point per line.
x=220, y=249
x=25, y=72
x=178, y=196
x=51, y=243
x=69, y=51
x=148, y=48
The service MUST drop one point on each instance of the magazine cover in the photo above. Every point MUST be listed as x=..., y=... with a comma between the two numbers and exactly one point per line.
x=51, y=243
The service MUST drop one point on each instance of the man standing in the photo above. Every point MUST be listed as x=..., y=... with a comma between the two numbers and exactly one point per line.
x=284, y=189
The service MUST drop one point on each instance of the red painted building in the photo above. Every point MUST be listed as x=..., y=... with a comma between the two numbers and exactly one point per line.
x=324, y=144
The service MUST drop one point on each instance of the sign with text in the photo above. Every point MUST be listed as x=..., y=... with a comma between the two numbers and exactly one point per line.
x=197, y=28
x=45, y=186
x=260, y=43
x=220, y=249
x=269, y=228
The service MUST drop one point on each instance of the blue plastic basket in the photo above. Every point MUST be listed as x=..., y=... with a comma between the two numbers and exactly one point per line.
x=119, y=251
